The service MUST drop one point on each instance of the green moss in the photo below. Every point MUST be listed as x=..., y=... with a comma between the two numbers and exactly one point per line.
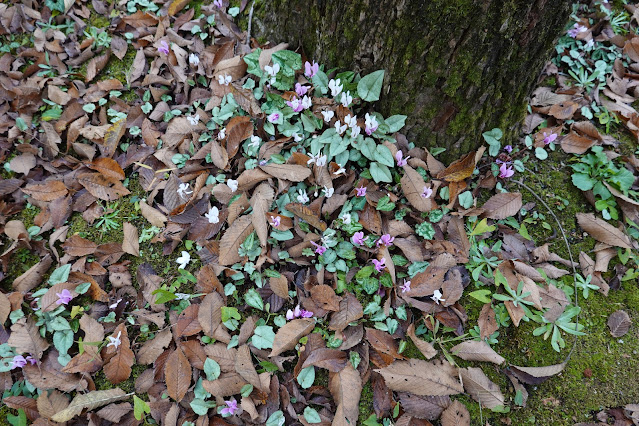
x=366, y=402
x=119, y=69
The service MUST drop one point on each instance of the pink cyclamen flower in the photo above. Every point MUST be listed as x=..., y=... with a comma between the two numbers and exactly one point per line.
x=298, y=313
x=18, y=362
x=319, y=249
x=401, y=161
x=295, y=104
x=64, y=297
x=549, y=138
x=405, y=287
x=508, y=149
x=361, y=191
x=380, y=265
x=386, y=239
x=164, y=47
x=358, y=238
x=310, y=70
x=274, y=117
x=275, y=221
x=505, y=172
x=32, y=360
x=300, y=90
x=231, y=407
x=427, y=192
x=576, y=29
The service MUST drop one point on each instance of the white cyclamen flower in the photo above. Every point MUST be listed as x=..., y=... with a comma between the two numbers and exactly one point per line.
x=224, y=80
x=340, y=129
x=306, y=102
x=213, y=215
x=437, y=297
x=184, y=190
x=328, y=116
x=302, y=197
x=346, y=218
x=347, y=99
x=232, y=184
x=255, y=141
x=194, y=60
x=340, y=171
x=328, y=191
x=336, y=87
x=114, y=341
x=222, y=133
x=183, y=260
x=297, y=137
x=193, y=119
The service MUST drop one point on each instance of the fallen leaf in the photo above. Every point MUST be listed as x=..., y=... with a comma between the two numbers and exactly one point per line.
x=244, y=366
x=46, y=191
x=346, y=388
x=476, y=350
x=424, y=347
x=291, y=172
x=89, y=401
x=238, y=129
x=25, y=338
x=421, y=378
x=619, y=323
x=210, y=314
x=233, y=238
x=459, y=170
x=602, y=231
x=287, y=337
x=307, y=215
x=130, y=244
x=455, y=415
x=120, y=360
x=350, y=310
x=177, y=373
x=481, y=388
x=536, y=375
x=102, y=187
x=413, y=186
x=502, y=205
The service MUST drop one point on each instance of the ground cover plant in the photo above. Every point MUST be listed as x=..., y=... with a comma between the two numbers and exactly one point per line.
x=201, y=228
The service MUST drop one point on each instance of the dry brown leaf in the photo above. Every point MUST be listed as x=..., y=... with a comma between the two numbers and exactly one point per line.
x=120, y=359
x=279, y=286
x=459, y=170
x=188, y=324
x=152, y=349
x=481, y=388
x=179, y=129
x=176, y=6
x=25, y=338
x=5, y=308
x=112, y=138
x=563, y=110
x=50, y=404
x=307, y=215
x=421, y=378
x=413, y=185
x=78, y=246
x=89, y=401
x=324, y=296
x=291, y=172
x=233, y=238
x=383, y=343
x=455, y=415
x=424, y=347
x=130, y=244
x=49, y=301
x=261, y=202
x=115, y=412
x=602, y=231
x=476, y=350
x=350, y=309
x=502, y=205
x=238, y=129
x=23, y=163
x=244, y=97
x=287, y=337
x=346, y=388
x=177, y=374
x=155, y=217
x=103, y=187
x=536, y=375
x=225, y=385
x=244, y=366
x=46, y=191
x=487, y=321
x=619, y=323
x=210, y=313
x=107, y=167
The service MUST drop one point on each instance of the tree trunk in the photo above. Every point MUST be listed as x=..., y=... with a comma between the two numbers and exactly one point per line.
x=457, y=68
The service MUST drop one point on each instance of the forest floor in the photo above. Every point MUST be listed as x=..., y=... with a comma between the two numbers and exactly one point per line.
x=182, y=249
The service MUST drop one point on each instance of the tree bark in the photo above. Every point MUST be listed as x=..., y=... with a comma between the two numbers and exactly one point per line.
x=457, y=68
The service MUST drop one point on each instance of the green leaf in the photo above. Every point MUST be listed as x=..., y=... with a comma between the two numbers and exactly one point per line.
x=19, y=420
x=247, y=389
x=229, y=312
x=482, y=227
x=253, y=62
x=466, y=199
x=253, y=298
x=417, y=267
x=140, y=407
x=276, y=419
x=395, y=123
x=311, y=415
x=82, y=288
x=425, y=230
x=541, y=153
x=384, y=156
x=306, y=377
x=60, y=275
x=582, y=181
x=289, y=61
x=380, y=173
x=212, y=369
x=163, y=296
x=367, y=148
x=201, y=407
x=492, y=138
x=481, y=295
x=263, y=337
x=385, y=204
x=370, y=87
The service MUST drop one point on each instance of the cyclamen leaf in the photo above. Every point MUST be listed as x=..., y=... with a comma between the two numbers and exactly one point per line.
x=380, y=173
x=370, y=86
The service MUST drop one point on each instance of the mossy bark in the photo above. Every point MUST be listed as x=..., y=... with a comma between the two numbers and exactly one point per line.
x=456, y=67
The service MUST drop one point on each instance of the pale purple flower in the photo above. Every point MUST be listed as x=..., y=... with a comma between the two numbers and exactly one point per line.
x=405, y=287
x=310, y=70
x=549, y=138
x=508, y=149
x=64, y=297
x=295, y=104
x=576, y=29
x=300, y=90
x=380, y=265
x=427, y=192
x=319, y=249
x=275, y=221
x=218, y=4
x=385, y=239
x=505, y=171
x=18, y=362
x=164, y=47
x=231, y=406
x=371, y=124
x=358, y=238
x=361, y=191
x=298, y=313
x=401, y=161
x=274, y=117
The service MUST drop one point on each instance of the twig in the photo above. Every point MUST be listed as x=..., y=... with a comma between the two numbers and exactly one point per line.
x=248, y=32
x=572, y=261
